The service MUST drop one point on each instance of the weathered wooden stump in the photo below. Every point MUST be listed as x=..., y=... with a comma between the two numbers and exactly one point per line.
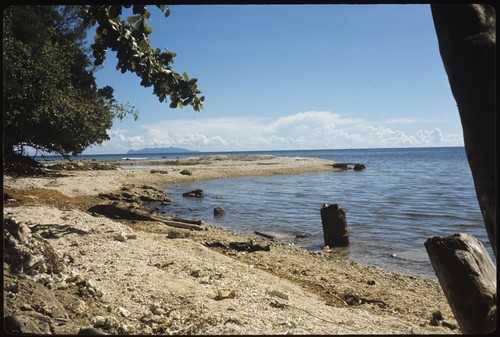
x=468, y=278
x=334, y=222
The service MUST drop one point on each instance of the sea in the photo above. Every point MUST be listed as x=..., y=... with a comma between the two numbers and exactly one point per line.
x=403, y=197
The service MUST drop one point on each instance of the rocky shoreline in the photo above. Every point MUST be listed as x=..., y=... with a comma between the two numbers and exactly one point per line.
x=84, y=254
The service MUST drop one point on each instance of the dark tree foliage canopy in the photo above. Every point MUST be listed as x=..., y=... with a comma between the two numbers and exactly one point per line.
x=50, y=98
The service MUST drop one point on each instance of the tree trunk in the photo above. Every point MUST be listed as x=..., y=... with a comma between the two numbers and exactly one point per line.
x=468, y=278
x=467, y=42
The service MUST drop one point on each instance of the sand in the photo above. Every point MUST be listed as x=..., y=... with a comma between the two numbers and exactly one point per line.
x=124, y=276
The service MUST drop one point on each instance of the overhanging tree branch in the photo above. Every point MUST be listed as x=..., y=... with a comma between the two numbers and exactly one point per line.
x=129, y=39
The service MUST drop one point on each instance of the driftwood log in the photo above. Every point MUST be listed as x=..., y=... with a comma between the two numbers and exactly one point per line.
x=468, y=278
x=267, y=236
x=122, y=211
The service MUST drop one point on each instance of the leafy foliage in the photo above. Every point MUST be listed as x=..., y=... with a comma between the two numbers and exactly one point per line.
x=51, y=101
x=134, y=53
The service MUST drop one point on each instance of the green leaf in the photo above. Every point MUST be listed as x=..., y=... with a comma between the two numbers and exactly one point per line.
x=147, y=29
x=144, y=45
x=185, y=75
x=133, y=19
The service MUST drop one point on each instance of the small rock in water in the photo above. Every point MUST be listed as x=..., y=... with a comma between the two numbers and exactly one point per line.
x=194, y=194
x=219, y=211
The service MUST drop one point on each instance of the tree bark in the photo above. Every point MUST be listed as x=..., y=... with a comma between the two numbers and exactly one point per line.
x=335, y=232
x=467, y=42
x=468, y=278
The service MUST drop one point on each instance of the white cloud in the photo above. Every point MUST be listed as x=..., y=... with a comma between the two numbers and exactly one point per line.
x=304, y=130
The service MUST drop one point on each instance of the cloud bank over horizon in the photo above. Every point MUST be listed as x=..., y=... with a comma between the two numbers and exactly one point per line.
x=303, y=130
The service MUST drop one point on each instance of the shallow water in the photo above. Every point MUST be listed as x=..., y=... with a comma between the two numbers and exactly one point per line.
x=403, y=197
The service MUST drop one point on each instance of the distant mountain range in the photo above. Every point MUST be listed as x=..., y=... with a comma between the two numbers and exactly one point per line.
x=157, y=150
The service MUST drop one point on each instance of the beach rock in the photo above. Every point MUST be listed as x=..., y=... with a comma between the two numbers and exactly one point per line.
x=99, y=321
x=449, y=325
x=186, y=172
x=437, y=315
x=132, y=194
x=225, y=293
x=158, y=171
x=248, y=246
x=194, y=194
x=341, y=166
x=12, y=325
x=27, y=253
x=122, y=237
x=278, y=293
x=123, y=312
x=104, y=166
x=31, y=324
x=177, y=235
x=81, y=166
x=346, y=166
x=90, y=331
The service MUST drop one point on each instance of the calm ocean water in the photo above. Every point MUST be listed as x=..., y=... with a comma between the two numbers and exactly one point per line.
x=403, y=197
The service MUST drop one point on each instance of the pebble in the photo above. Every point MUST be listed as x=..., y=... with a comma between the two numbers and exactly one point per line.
x=126, y=329
x=278, y=293
x=122, y=237
x=26, y=307
x=224, y=293
x=156, y=310
x=124, y=312
x=98, y=321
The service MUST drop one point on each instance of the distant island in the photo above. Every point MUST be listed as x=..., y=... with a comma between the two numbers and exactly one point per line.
x=157, y=150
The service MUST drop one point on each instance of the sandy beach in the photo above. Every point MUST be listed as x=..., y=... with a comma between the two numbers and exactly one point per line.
x=78, y=256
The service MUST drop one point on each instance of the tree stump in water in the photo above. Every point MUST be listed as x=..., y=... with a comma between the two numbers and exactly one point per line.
x=468, y=278
x=334, y=222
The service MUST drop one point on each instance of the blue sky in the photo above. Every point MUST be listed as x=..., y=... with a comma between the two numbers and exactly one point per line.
x=280, y=77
